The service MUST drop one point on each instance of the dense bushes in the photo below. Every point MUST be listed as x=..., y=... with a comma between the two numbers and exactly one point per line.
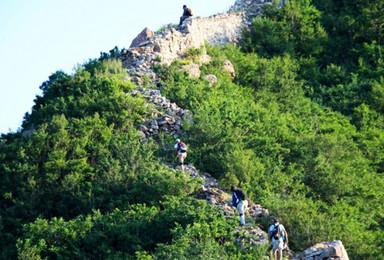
x=301, y=160
x=300, y=129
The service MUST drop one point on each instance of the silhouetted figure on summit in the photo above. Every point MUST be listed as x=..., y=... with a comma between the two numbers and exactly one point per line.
x=186, y=14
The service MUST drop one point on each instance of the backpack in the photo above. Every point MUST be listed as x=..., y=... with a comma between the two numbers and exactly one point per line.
x=190, y=11
x=242, y=195
x=182, y=147
x=276, y=234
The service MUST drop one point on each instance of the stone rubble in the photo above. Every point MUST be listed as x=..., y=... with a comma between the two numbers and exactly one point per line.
x=170, y=44
x=324, y=251
x=211, y=192
x=166, y=116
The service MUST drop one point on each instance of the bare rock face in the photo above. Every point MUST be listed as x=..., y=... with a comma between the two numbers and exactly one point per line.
x=228, y=67
x=324, y=251
x=142, y=37
x=193, y=70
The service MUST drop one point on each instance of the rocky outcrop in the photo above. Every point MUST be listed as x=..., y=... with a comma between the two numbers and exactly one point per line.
x=324, y=251
x=166, y=116
x=211, y=192
x=144, y=36
x=170, y=44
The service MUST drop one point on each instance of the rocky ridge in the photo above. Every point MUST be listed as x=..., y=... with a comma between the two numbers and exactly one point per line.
x=166, y=116
x=169, y=44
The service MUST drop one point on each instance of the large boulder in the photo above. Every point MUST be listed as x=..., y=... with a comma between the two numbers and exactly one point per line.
x=142, y=37
x=324, y=251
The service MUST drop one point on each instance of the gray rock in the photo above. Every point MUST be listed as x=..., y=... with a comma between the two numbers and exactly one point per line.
x=142, y=37
x=325, y=250
x=142, y=128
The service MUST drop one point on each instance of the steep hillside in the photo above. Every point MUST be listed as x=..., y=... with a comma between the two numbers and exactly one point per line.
x=93, y=174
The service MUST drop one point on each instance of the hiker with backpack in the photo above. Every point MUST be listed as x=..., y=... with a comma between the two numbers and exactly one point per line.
x=239, y=202
x=181, y=152
x=277, y=235
x=186, y=14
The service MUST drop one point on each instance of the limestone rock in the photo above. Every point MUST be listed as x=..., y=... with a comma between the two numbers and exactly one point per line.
x=142, y=37
x=228, y=67
x=193, y=70
x=326, y=250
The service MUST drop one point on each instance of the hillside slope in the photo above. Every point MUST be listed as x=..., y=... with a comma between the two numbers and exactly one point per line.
x=92, y=173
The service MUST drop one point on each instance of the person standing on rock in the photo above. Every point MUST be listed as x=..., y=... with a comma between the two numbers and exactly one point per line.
x=186, y=14
x=239, y=202
x=181, y=152
x=277, y=235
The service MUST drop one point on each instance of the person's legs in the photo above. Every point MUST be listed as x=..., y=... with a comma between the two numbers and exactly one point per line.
x=242, y=207
x=182, y=18
x=280, y=254
x=182, y=157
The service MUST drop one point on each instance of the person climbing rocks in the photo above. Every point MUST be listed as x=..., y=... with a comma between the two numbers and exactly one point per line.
x=239, y=202
x=186, y=14
x=277, y=235
x=181, y=152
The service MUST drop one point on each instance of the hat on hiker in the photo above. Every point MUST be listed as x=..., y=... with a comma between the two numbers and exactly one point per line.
x=276, y=220
x=177, y=140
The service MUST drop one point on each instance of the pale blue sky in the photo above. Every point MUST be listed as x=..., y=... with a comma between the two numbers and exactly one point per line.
x=40, y=37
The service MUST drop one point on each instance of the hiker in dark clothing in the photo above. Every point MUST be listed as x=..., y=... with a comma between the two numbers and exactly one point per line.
x=239, y=202
x=186, y=14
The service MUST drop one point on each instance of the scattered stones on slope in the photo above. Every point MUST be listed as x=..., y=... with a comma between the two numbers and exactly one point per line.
x=167, y=116
x=210, y=191
x=324, y=251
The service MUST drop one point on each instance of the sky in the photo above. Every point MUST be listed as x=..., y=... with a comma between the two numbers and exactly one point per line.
x=40, y=37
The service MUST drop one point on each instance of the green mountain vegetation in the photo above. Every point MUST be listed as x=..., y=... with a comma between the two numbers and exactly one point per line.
x=300, y=129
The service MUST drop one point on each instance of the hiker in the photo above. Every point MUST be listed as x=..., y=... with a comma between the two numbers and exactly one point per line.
x=186, y=14
x=239, y=202
x=181, y=152
x=277, y=235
